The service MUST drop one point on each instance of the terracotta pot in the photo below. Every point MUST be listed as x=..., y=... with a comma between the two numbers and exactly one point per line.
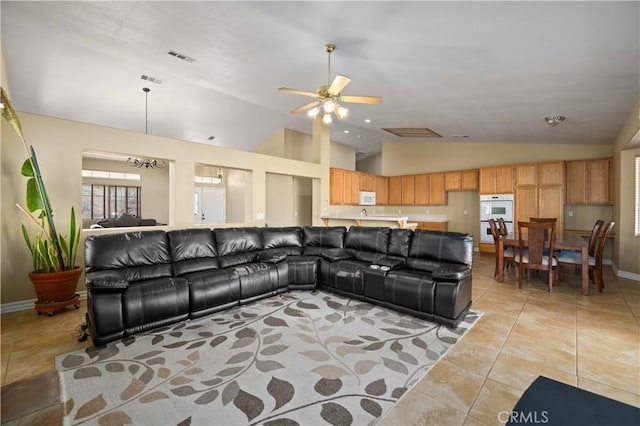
x=53, y=287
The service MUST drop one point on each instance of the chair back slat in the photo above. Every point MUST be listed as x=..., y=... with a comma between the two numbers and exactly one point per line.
x=593, y=239
x=601, y=243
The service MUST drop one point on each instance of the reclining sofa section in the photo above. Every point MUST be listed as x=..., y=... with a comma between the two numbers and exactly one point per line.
x=138, y=281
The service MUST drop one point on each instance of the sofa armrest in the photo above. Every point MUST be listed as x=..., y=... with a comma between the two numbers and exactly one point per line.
x=272, y=256
x=107, y=280
x=451, y=272
x=335, y=254
x=391, y=264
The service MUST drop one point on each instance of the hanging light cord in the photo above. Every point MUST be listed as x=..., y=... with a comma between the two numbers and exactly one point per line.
x=146, y=91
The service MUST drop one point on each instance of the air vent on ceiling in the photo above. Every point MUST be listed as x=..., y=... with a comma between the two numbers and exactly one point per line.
x=181, y=56
x=151, y=79
x=412, y=132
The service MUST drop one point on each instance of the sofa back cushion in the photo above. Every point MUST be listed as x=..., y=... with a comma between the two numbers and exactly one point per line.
x=192, y=250
x=316, y=238
x=367, y=243
x=287, y=239
x=237, y=245
x=399, y=242
x=430, y=249
x=138, y=255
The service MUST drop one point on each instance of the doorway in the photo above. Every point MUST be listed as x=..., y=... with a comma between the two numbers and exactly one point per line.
x=209, y=205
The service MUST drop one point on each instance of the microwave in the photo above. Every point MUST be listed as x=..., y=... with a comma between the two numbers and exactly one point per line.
x=367, y=198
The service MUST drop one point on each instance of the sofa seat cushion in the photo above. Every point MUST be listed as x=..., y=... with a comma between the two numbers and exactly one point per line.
x=215, y=287
x=261, y=279
x=410, y=289
x=344, y=275
x=303, y=271
x=155, y=302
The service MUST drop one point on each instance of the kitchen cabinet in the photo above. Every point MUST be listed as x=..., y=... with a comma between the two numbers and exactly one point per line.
x=408, y=190
x=395, y=190
x=461, y=180
x=496, y=180
x=344, y=187
x=381, y=185
x=433, y=226
x=437, y=195
x=336, y=186
x=367, y=182
x=421, y=189
x=589, y=181
x=540, y=192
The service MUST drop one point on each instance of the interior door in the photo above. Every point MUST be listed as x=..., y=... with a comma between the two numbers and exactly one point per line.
x=209, y=205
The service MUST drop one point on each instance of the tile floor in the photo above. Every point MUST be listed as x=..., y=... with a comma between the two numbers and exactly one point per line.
x=591, y=342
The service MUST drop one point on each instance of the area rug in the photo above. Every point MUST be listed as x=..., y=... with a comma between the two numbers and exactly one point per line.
x=299, y=358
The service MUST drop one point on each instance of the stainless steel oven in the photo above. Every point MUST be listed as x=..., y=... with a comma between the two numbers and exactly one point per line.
x=495, y=207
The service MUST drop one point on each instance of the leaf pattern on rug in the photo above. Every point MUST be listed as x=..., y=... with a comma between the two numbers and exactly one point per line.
x=296, y=358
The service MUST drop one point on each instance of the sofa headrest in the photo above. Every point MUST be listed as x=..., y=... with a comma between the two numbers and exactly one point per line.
x=289, y=236
x=235, y=240
x=324, y=236
x=367, y=238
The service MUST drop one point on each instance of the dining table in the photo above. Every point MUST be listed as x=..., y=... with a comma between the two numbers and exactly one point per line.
x=563, y=242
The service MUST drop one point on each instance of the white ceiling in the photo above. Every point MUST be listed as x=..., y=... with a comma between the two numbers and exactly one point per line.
x=489, y=70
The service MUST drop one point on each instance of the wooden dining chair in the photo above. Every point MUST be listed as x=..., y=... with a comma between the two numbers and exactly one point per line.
x=595, y=233
x=507, y=252
x=535, y=257
x=503, y=231
x=572, y=258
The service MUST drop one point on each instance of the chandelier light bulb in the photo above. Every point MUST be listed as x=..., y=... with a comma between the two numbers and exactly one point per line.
x=329, y=106
x=342, y=112
x=326, y=119
x=313, y=113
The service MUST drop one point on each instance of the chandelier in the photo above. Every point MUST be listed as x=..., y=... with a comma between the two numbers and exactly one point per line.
x=146, y=163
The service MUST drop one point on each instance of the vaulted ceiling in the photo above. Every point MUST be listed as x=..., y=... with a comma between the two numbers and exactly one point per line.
x=490, y=71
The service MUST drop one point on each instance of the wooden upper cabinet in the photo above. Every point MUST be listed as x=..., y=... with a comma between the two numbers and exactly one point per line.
x=352, y=188
x=461, y=180
x=526, y=174
x=600, y=181
x=336, y=186
x=421, y=190
x=367, y=182
x=382, y=190
x=395, y=190
x=589, y=181
x=496, y=180
x=551, y=173
x=408, y=190
x=437, y=195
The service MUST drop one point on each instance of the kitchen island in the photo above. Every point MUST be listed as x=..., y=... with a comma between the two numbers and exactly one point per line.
x=432, y=222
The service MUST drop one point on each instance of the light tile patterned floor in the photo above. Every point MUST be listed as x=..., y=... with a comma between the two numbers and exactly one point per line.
x=591, y=342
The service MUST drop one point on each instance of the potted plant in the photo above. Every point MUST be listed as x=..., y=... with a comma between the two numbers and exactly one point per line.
x=55, y=274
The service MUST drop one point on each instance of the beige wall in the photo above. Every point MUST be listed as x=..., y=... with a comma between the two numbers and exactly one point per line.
x=626, y=245
x=371, y=164
x=59, y=145
x=154, y=185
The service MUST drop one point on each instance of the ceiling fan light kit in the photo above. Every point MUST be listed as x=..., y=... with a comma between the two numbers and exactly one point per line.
x=328, y=97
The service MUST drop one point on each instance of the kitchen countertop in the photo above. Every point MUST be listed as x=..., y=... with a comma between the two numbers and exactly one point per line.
x=402, y=220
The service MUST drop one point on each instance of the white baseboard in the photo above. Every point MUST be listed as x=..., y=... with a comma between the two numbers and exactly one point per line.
x=25, y=305
x=624, y=274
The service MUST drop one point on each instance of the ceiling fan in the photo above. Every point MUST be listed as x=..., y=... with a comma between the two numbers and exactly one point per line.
x=328, y=97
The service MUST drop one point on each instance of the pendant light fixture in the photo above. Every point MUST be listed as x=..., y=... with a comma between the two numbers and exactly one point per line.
x=146, y=163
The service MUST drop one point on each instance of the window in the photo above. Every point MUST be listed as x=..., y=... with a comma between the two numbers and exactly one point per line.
x=638, y=196
x=110, y=175
x=107, y=201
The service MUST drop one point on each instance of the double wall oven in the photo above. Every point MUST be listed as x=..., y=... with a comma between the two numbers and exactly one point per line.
x=494, y=207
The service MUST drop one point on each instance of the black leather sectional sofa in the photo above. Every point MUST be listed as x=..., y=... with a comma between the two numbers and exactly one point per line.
x=138, y=281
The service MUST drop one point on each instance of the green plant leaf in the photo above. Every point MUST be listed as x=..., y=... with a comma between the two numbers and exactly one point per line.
x=34, y=201
x=27, y=168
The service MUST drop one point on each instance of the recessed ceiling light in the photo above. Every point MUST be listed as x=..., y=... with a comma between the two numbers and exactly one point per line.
x=366, y=120
x=346, y=131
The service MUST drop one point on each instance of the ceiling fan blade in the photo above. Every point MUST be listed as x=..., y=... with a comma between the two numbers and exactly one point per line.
x=298, y=92
x=362, y=99
x=338, y=84
x=306, y=107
